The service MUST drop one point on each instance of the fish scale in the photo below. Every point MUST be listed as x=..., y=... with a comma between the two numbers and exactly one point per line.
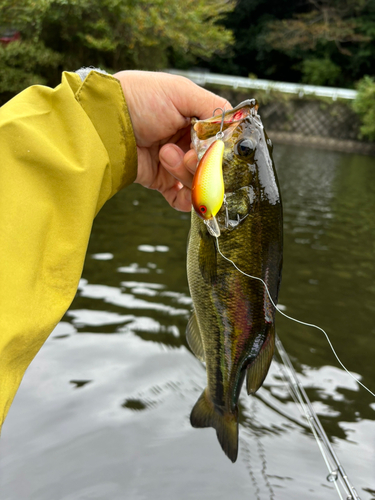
x=232, y=326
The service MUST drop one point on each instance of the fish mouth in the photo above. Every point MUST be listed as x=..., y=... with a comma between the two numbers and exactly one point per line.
x=205, y=129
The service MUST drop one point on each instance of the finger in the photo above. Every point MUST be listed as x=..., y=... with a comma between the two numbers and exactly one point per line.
x=182, y=139
x=191, y=161
x=192, y=100
x=153, y=114
x=172, y=160
x=179, y=197
x=182, y=134
x=184, y=142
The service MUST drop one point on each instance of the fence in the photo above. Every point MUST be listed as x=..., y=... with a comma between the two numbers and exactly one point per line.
x=299, y=114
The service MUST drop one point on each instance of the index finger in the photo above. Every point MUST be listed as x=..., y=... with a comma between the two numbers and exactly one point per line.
x=192, y=100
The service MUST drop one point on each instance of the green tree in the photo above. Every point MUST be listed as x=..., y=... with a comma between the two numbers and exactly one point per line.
x=250, y=53
x=327, y=21
x=29, y=61
x=364, y=105
x=326, y=36
x=326, y=42
x=135, y=33
x=115, y=34
x=25, y=63
x=319, y=71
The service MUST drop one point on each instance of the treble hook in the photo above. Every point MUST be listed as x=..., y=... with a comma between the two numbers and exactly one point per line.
x=226, y=211
x=220, y=134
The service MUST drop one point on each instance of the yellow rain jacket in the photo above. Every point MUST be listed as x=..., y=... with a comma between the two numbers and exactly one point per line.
x=63, y=153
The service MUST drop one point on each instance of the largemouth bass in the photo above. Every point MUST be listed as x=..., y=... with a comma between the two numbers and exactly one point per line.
x=232, y=327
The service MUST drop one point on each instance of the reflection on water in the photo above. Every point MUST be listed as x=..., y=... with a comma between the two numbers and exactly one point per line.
x=103, y=410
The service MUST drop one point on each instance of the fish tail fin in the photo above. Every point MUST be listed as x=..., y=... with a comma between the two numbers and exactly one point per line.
x=206, y=414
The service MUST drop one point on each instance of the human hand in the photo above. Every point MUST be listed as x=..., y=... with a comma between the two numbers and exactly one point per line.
x=160, y=107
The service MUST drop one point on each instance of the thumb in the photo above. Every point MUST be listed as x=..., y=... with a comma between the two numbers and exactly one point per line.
x=192, y=100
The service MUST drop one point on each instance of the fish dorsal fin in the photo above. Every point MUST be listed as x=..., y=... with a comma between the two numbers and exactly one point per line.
x=258, y=369
x=194, y=339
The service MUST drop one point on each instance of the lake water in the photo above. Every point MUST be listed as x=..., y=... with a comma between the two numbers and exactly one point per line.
x=103, y=411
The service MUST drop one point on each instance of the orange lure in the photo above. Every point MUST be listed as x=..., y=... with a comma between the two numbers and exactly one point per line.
x=208, y=182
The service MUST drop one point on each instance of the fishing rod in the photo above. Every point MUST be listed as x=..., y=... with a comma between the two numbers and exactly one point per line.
x=337, y=475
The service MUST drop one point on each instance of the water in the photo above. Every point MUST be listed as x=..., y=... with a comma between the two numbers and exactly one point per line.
x=102, y=412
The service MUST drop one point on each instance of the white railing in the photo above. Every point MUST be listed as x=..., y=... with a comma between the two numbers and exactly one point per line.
x=239, y=82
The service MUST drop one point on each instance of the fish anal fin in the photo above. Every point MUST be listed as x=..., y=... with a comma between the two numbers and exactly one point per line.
x=206, y=414
x=258, y=369
x=194, y=338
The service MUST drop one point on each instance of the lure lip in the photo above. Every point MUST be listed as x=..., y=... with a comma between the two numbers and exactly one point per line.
x=213, y=227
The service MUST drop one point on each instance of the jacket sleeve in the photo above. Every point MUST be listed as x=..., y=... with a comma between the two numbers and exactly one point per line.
x=63, y=153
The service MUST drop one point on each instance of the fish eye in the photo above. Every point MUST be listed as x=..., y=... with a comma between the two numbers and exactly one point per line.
x=202, y=209
x=245, y=147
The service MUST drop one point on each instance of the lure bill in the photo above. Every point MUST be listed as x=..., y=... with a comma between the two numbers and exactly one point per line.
x=232, y=327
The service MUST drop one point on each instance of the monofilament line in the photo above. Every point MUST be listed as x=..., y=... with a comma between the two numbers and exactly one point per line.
x=294, y=319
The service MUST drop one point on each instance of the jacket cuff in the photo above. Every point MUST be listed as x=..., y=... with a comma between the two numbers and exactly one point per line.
x=102, y=98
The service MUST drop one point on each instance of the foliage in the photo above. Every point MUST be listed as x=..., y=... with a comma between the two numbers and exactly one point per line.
x=250, y=53
x=321, y=42
x=340, y=33
x=112, y=34
x=135, y=34
x=317, y=71
x=329, y=21
x=364, y=105
x=285, y=40
x=23, y=64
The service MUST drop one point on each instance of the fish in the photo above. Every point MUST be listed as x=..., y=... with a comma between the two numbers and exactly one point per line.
x=232, y=325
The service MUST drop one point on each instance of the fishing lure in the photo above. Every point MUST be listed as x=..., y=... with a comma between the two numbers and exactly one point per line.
x=208, y=182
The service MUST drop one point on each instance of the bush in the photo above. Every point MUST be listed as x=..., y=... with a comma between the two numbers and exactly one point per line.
x=364, y=105
x=317, y=71
x=23, y=64
x=110, y=34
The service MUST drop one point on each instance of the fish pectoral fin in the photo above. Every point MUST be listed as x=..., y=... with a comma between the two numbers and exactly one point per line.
x=205, y=414
x=258, y=369
x=194, y=338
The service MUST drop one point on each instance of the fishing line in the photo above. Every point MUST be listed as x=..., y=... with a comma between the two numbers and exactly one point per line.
x=294, y=319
